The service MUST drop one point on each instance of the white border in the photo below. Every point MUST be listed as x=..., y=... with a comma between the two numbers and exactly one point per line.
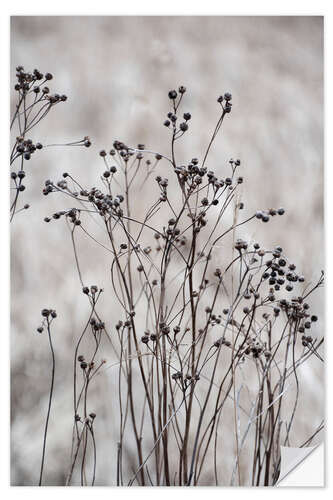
x=171, y=7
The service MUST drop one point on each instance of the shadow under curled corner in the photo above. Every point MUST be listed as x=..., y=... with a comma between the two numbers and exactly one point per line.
x=302, y=467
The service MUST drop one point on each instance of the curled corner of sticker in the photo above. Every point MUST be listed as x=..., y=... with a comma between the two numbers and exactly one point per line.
x=302, y=467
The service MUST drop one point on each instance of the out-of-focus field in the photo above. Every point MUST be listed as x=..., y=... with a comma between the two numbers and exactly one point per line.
x=116, y=72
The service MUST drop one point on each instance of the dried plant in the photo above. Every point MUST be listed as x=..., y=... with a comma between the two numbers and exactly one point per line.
x=34, y=101
x=210, y=326
x=48, y=316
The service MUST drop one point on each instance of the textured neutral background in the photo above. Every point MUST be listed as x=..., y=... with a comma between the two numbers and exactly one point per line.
x=116, y=73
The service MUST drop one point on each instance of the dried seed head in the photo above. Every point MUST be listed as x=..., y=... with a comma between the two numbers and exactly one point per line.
x=172, y=94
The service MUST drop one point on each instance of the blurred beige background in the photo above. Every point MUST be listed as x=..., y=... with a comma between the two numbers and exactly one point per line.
x=116, y=72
